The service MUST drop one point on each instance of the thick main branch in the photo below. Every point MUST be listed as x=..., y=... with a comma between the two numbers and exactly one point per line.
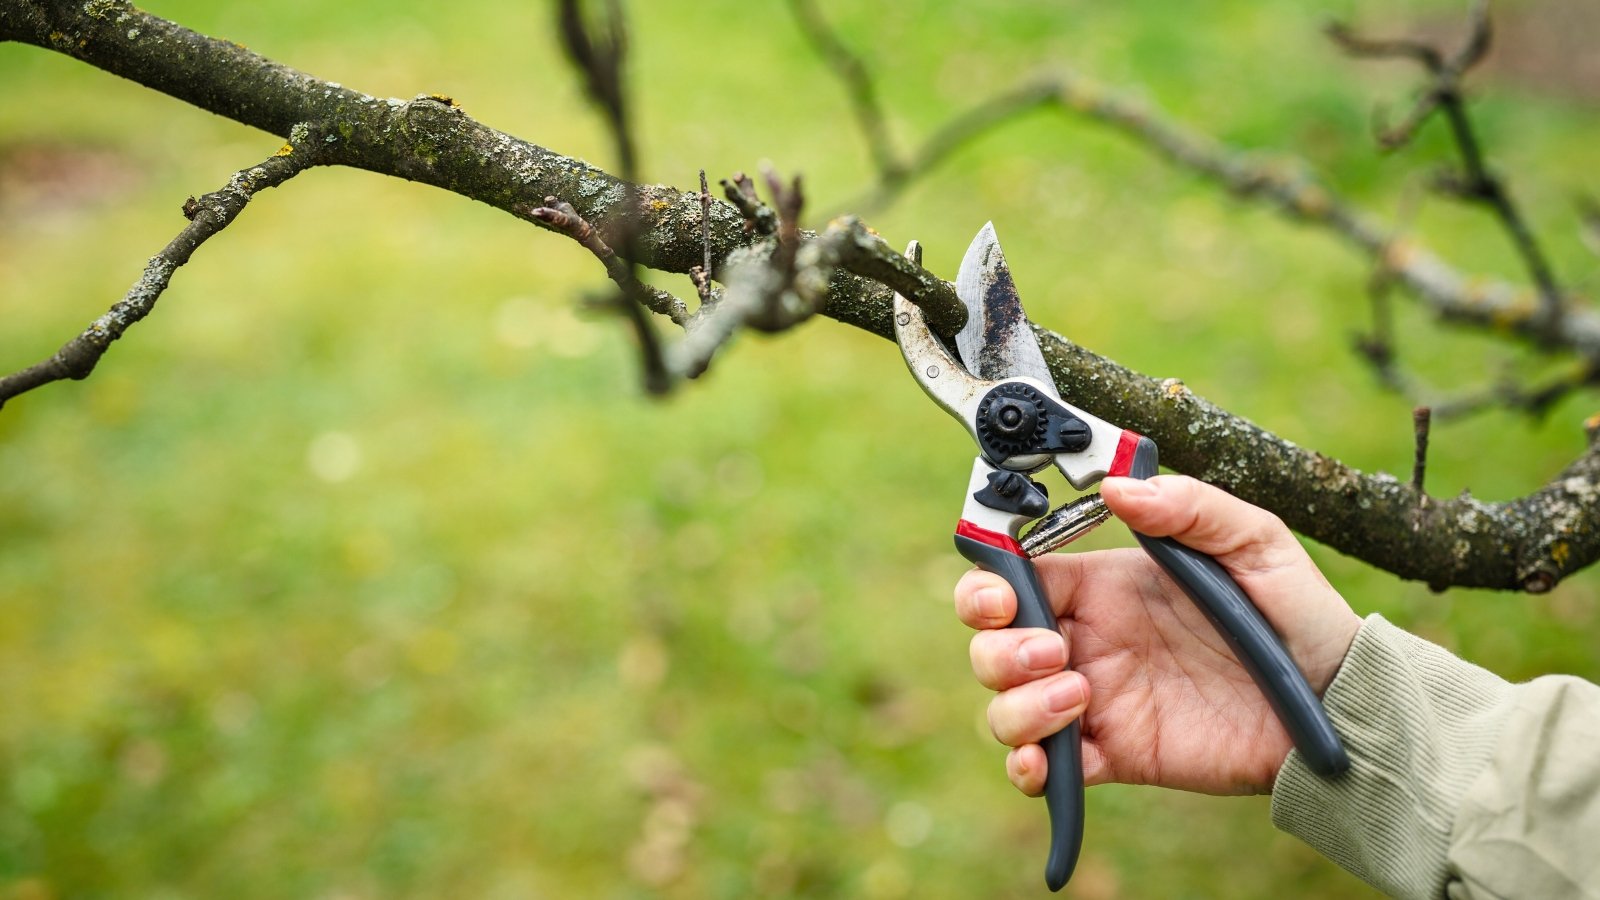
x=1528, y=543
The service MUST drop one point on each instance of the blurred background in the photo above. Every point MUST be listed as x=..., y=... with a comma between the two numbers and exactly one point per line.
x=363, y=567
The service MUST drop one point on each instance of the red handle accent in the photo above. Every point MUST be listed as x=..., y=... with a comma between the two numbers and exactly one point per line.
x=1127, y=446
x=992, y=538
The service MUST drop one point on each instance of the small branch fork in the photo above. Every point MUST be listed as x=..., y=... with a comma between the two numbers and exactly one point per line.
x=894, y=171
x=207, y=216
x=759, y=219
x=779, y=283
x=560, y=215
x=770, y=289
x=1474, y=182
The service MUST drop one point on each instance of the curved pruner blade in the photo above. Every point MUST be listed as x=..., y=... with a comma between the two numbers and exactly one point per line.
x=996, y=343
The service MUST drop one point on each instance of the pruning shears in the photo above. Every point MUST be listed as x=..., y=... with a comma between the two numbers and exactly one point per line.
x=1001, y=390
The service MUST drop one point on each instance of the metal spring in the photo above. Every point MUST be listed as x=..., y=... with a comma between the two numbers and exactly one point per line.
x=1066, y=524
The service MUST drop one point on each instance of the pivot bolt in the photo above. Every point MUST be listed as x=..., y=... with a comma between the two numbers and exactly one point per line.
x=1074, y=434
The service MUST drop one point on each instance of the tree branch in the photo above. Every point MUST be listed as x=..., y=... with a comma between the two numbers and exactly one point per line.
x=1284, y=184
x=1528, y=543
x=207, y=216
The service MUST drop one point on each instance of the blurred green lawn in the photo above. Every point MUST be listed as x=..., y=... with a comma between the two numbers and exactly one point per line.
x=362, y=568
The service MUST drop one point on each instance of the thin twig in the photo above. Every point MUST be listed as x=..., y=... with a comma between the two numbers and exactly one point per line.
x=788, y=201
x=1282, y=183
x=1376, y=346
x=759, y=219
x=1424, y=55
x=560, y=216
x=600, y=59
x=207, y=216
x=1589, y=221
x=1421, y=419
x=858, y=83
x=701, y=274
x=957, y=133
x=1536, y=401
x=762, y=295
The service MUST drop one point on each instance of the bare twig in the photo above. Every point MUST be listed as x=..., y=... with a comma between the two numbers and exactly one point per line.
x=1425, y=55
x=894, y=171
x=561, y=217
x=1475, y=182
x=1377, y=345
x=760, y=286
x=1536, y=401
x=759, y=219
x=701, y=274
x=763, y=289
x=957, y=133
x=1421, y=419
x=207, y=216
x=788, y=200
x=768, y=296
x=600, y=58
x=1589, y=221
x=858, y=83
x=1283, y=184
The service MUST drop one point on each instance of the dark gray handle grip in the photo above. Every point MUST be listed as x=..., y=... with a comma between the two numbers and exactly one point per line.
x=1063, y=786
x=1252, y=640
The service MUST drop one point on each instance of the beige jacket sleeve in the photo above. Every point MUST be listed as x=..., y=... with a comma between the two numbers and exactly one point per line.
x=1461, y=785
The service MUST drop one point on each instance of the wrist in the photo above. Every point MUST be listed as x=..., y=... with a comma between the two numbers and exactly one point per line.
x=1329, y=653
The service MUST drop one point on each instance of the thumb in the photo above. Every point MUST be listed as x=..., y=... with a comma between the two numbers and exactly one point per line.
x=1196, y=514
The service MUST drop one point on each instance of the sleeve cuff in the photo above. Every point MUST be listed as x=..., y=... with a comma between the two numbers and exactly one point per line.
x=1419, y=724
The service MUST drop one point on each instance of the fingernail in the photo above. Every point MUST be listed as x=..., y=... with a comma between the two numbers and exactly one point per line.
x=988, y=601
x=1133, y=487
x=1037, y=653
x=1022, y=766
x=1065, y=695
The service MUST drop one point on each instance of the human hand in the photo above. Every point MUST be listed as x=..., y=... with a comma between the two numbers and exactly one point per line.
x=1162, y=698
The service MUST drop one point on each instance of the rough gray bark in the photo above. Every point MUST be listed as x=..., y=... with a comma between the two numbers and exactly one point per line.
x=1527, y=544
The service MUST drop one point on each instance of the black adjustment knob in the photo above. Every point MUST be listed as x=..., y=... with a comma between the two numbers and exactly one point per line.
x=1013, y=418
x=1012, y=421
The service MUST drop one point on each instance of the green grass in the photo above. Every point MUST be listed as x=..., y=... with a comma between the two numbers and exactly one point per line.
x=362, y=567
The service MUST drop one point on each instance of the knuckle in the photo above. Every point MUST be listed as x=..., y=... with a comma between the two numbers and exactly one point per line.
x=1002, y=715
x=983, y=657
x=993, y=714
